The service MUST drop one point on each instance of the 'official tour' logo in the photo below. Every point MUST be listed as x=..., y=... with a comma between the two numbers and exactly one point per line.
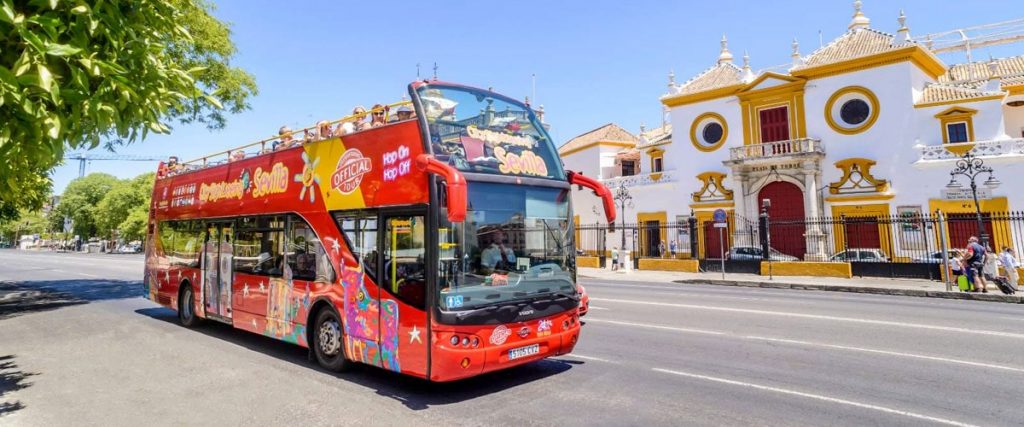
x=351, y=168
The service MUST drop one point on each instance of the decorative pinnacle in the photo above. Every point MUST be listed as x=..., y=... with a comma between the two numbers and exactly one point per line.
x=671, y=78
x=725, y=56
x=903, y=34
x=748, y=74
x=859, y=20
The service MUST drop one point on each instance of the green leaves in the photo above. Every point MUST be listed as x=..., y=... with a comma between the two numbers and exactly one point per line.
x=61, y=50
x=75, y=74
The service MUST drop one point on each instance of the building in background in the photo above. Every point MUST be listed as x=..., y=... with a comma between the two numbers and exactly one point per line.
x=860, y=128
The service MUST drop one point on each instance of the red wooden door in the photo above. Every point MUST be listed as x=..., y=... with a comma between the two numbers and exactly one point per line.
x=963, y=226
x=862, y=232
x=787, y=217
x=774, y=124
x=714, y=246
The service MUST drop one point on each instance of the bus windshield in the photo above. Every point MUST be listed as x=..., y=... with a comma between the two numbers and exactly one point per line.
x=514, y=245
x=482, y=132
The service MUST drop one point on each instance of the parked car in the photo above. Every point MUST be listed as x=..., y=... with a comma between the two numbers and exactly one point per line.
x=584, y=300
x=755, y=253
x=859, y=255
x=936, y=257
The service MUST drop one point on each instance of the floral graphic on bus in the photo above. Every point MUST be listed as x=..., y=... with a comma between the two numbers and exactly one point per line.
x=283, y=305
x=361, y=318
x=308, y=177
x=389, y=335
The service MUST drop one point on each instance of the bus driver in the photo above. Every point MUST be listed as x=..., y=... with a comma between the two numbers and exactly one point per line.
x=498, y=256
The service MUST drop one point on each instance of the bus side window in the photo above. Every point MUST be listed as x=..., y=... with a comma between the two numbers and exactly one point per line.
x=305, y=254
x=360, y=231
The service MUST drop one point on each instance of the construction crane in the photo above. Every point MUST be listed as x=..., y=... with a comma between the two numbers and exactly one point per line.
x=88, y=157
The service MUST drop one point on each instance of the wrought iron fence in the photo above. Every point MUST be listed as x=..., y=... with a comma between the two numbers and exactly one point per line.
x=875, y=245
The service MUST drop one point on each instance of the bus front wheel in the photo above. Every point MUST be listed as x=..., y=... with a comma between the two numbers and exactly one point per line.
x=328, y=345
x=186, y=307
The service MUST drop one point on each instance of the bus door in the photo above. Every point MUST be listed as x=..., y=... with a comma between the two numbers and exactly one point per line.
x=217, y=269
x=403, y=294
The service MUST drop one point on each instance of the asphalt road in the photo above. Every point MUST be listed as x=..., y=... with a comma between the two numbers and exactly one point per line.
x=80, y=346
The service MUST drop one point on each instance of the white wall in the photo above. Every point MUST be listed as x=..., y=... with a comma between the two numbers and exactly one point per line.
x=1014, y=118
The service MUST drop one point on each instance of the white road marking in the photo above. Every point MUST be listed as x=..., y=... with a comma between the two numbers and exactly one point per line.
x=888, y=353
x=816, y=397
x=596, y=359
x=819, y=317
x=667, y=328
x=815, y=344
x=597, y=308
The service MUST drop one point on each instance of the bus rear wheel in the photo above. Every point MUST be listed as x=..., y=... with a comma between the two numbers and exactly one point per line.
x=186, y=307
x=328, y=341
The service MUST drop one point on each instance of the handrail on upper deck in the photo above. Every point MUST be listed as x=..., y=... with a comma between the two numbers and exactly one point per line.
x=203, y=161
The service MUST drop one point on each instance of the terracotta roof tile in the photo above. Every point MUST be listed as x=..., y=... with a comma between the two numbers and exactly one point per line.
x=607, y=133
x=856, y=43
x=1012, y=67
x=657, y=136
x=721, y=75
x=947, y=92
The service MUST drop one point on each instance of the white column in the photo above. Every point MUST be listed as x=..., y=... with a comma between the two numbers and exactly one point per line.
x=741, y=236
x=814, y=235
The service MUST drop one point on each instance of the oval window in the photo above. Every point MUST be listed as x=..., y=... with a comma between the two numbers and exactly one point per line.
x=712, y=133
x=854, y=111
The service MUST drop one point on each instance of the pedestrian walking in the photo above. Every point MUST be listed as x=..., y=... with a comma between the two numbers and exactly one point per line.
x=1009, y=264
x=672, y=248
x=661, y=249
x=975, y=260
x=615, y=258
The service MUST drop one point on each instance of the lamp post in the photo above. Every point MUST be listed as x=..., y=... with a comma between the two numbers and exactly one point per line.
x=624, y=199
x=970, y=166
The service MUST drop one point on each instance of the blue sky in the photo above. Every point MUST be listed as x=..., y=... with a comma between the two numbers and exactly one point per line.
x=595, y=61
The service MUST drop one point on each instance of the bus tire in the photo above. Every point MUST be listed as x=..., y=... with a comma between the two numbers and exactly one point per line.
x=186, y=307
x=328, y=341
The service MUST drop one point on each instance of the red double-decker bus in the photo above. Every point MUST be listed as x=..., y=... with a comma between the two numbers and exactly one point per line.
x=438, y=244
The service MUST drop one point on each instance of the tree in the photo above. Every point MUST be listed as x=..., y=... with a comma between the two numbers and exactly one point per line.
x=79, y=203
x=86, y=73
x=125, y=198
x=26, y=222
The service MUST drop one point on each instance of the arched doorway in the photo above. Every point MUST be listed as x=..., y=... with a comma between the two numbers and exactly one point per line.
x=787, y=217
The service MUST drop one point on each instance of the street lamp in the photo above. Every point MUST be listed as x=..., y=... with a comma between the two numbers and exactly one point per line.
x=624, y=199
x=970, y=167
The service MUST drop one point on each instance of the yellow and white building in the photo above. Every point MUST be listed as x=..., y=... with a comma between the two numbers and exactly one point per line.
x=863, y=126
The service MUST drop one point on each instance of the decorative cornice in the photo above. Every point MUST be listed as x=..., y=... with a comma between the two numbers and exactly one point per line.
x=917, y=55
x=712, y=190
x=857, y=178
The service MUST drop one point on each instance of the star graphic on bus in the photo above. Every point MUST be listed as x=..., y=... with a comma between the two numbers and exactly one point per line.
x=414, y=335
x=263, y=288
x=245, y=290
x=335, y=246
x=308, y=177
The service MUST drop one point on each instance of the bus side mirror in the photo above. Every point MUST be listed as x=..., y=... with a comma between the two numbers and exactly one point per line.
x=455, y=184
x=576, y=178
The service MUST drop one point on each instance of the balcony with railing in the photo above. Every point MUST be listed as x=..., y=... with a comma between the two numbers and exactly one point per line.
x=638, y=180
x=944, y=153
x=777, y=150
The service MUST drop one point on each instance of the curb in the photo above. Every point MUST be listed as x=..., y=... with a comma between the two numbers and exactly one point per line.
x=989, y=297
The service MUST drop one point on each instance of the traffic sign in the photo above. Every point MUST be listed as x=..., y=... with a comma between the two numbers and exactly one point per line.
x=721, y=225
x=719, y=216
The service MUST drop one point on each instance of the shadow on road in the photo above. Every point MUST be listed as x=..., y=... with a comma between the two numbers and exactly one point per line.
x=414, y=393
x=17, y=298
x=11, y=379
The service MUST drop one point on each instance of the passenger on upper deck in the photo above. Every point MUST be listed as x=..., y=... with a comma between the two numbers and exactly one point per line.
x=324, y=131
x=170, y=168
x=404, y=113
x=236, y=156
x=286, y=140
x=355, y=123
x=379, y=112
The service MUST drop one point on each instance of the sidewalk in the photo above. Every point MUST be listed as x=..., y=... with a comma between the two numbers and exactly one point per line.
x=867, y=285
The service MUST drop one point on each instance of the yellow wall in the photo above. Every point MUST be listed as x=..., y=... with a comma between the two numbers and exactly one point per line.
x=659, y=264
x=642, y=217
x=804, y=268
x=588, y=261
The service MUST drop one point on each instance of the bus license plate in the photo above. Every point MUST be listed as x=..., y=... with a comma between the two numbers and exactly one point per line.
x=518, y=353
